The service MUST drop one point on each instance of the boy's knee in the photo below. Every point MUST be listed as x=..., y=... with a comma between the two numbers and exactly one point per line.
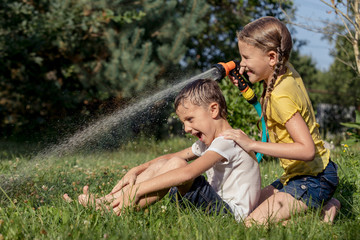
x=177, y=162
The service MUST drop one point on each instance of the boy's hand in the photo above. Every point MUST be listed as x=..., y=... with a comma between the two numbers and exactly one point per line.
x=127, y=199
x=128, y=179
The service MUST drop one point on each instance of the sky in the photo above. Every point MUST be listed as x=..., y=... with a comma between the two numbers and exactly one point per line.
x=309, y=12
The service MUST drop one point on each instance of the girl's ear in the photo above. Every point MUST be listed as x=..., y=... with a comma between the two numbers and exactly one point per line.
x=214, y=109
x=272, y=58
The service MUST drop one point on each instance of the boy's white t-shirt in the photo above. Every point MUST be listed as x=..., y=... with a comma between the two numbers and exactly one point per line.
x=237, y=179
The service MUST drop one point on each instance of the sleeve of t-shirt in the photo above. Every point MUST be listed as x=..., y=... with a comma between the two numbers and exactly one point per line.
x=282, y=108
x=223, y=147
x=198, y=148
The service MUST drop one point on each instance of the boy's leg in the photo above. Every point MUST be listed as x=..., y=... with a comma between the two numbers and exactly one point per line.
x=153, y=170
x=159, y=168
x=200, y=194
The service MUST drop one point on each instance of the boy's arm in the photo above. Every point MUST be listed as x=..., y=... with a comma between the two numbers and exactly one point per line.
x=167, y=180
x=131, y=175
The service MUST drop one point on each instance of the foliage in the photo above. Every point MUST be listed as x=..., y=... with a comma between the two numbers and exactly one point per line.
x=353, y=131
x=342, y=80
x=241, y=114
x=36, y=210
x=217, y=41
x=306, y=67
x=64, y=59
x=346, y=29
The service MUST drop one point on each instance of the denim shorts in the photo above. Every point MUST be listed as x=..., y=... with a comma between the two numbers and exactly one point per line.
x=314, y=191
x=201, y=195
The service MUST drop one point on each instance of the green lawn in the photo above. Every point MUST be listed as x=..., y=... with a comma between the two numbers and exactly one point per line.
x=31, y=206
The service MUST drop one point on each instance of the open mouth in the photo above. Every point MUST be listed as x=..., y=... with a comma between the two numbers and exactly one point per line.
x=199, y=135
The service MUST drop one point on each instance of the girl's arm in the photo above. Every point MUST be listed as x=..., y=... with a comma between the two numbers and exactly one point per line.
x=167, y=180
x=131, y=175
x=303, y=147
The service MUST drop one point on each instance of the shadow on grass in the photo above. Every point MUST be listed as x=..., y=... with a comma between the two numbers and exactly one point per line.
x=345, y=194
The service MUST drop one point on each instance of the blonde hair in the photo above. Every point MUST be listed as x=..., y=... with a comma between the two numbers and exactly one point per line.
x=202, y=92
x=268, y=34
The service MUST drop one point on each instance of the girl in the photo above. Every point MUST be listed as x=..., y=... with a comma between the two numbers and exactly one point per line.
x=310, y=177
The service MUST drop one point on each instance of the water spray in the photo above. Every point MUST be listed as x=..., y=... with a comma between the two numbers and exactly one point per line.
x=232, y=68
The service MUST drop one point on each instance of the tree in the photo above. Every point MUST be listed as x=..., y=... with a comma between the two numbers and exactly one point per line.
x=217, y=41
x=340, y=86
x=349, y=28
x=60, y=58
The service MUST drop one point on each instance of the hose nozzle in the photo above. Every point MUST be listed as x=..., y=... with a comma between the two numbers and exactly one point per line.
x=224, y=69
x=233, y=68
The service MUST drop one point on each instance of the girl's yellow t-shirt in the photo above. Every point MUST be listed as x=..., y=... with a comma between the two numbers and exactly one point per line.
x=288, y=97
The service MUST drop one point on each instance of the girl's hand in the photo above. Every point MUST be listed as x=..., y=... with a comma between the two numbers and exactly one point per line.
x=128, y=179
x=233, y=80
x=239, y=137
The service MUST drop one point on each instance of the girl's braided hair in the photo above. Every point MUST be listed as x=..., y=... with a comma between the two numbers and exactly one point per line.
x=268, y=34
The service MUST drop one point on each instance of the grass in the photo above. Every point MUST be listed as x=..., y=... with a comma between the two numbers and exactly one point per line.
x=31, y=206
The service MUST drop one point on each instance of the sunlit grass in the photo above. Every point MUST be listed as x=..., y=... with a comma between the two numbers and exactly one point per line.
x=31, y=205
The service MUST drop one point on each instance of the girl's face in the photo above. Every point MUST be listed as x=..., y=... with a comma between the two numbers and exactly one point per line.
x=257, y=64
x=198, y=121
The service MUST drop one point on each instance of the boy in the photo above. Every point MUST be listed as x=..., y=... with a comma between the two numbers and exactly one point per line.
x=233, y=183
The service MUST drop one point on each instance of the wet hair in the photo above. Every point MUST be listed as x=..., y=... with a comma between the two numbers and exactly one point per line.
x=268, y=34
x=202, y=92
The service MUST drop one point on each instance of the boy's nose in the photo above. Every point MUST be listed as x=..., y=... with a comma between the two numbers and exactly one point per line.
x=187, y=128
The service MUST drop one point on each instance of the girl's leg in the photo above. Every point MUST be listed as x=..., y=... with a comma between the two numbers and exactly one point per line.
x=277, y=207
x=266, y=192
x=330, y=210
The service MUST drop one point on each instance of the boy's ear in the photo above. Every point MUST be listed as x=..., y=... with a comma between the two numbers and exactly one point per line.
x=273, y=57
x=214, y=109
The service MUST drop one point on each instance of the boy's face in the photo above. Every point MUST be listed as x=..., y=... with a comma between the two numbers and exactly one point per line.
x=198, y=120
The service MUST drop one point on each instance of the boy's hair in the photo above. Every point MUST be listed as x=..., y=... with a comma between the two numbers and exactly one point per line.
x=202, y=92
x=268, y=34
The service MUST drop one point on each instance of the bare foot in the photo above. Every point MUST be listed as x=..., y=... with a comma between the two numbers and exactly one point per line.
x=330, y=210
x=86, y=199
x=67, y=198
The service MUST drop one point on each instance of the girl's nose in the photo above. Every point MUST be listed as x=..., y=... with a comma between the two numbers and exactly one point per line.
x=242, y=63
